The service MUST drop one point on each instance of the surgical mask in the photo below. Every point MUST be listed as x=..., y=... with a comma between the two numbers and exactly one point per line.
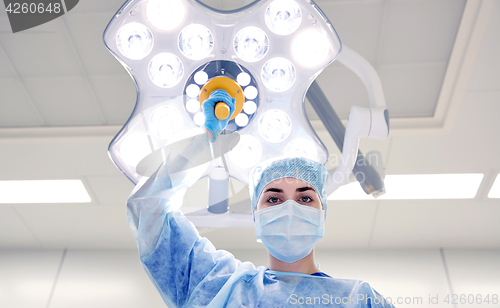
x=289, y=230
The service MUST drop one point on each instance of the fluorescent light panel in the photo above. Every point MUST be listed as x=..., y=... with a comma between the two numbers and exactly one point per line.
x=417, y=186
x=495, y=189
x=46, y=191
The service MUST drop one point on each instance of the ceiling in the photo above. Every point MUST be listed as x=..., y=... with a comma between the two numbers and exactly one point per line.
x=63, y=97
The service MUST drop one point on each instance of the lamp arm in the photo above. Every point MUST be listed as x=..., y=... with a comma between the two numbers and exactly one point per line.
x=365, y=71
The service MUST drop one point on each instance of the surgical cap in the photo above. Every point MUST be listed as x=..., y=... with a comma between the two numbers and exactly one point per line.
x=300, y=168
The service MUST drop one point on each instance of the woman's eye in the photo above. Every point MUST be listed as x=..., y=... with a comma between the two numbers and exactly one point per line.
x=273, y=200
x=305, y=199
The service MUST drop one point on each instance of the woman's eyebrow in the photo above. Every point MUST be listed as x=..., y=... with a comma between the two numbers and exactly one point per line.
x=274, y=190
x=302, y=189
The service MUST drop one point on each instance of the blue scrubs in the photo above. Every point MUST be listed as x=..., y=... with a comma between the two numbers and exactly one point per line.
x=188, y=271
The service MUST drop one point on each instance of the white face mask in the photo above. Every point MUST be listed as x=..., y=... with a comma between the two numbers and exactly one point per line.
x=289, y=230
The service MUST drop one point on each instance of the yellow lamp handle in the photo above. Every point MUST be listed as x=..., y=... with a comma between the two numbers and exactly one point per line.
x=222, y=111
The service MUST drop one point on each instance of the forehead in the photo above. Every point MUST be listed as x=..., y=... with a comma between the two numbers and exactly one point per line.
x=287, y=183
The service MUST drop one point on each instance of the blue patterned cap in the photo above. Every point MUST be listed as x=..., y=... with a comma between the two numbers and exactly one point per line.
x=300, y=168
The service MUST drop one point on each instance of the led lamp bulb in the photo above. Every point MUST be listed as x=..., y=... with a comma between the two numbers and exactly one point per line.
x=251, y=92
x=250, y=107
x=165, y=14
x=251, y=44
x=134, y=41
x=193, y=90
x=278, y=74
x=201, y=77
x=310, y=48
x=166, y=121
x=243, y=79
x=196, y=42
x=275, y=126
x=241, y=120
x=283, y=17
x=165, y=70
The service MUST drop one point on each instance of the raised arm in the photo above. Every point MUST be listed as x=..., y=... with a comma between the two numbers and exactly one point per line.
x=186, y=269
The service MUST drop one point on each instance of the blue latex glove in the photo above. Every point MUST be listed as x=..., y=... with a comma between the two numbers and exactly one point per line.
x=213, y=125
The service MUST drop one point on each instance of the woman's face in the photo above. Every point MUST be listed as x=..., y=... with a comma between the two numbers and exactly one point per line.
x=284, y=189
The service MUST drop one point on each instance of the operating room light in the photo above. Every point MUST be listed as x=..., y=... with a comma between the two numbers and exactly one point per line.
x=278, y=74
x=301, y=147
x=193, y=90
x=177, y=51
x=193, y=105
x=417, y=186
x=166, y=121
x=249, y=107
x=241, y=120
x=199, y=119
x=310, y=48
x=43, y=191
x=251, y=44
x=165, y=14
x=201, y=77
x=165, y=70
x=196, y=42
x=283, y=17
x=243, y=79
x=250, y=92
x=134, y=41
x=495, y=189
x=247, y=152
x=134, y=148
x=275, y=126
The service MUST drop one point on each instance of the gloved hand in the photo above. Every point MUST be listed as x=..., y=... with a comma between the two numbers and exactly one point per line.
x=212, y=124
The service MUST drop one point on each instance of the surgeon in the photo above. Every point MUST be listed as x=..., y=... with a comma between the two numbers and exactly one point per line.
x=288, y=204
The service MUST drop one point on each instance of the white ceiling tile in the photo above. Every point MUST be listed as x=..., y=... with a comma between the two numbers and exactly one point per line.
x=110, y=190
x=16, y=109
x=357, y=24
x=79, y=225
x=420, y=31
x=64, y=101
x=14, y=233
x=27, y=272
x=486, y=73
x=348, y=225
x=42, y=51
x=430, y=223
x=87, y=31
x=343, y=89
x=412, y=90
x=474, y=272
x=102, y=279
x=471, y=145
x=117, y=95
